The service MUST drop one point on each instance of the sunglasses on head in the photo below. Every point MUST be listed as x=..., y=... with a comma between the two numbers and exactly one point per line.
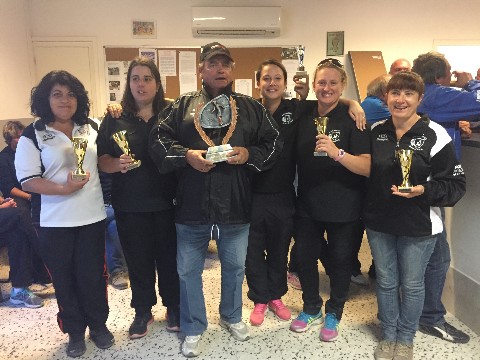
x=334, y=62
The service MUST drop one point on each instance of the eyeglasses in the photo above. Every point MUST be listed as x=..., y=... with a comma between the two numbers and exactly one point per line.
x=334, y=62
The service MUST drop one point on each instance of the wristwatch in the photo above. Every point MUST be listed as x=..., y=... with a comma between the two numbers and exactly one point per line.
x=341, y=154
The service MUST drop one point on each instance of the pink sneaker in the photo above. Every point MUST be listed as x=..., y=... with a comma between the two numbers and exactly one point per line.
x=280, y=310
x=258, y=314
x=294, y=281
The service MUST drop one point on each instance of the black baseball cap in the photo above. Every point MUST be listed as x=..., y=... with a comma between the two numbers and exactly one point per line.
x=212, y=49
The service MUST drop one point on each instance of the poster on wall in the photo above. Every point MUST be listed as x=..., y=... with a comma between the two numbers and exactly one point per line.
x=116, y=75
x=149, y=53
x=187, y=69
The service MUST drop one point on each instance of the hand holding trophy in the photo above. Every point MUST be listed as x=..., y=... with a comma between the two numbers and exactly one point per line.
x=79, y=148
x=321, y=124
x=405, y=160
x=120, y=138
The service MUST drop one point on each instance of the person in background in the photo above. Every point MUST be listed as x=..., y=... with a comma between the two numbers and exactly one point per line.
x=403, y=227
x=478, y=75
x=447, y=106
x=116, y=265
x=142, y=199
x=330, y=197
x=374, y=104
x=27, y=202
x=72, y=216
x=400, y=65
x=213, y=199
x=18, y=232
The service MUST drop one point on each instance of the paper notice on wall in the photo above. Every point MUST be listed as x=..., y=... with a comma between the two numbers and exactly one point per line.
x=187, y=68
x=243, y=86
x=116, y=75
x=150, y=53
x=167, y=62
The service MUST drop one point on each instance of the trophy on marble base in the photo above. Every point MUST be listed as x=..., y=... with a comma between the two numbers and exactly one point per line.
x=301, y=73
x=218, y=153
x=321, y=124
x=122, y=142
x=405, y=160
x=79, y=148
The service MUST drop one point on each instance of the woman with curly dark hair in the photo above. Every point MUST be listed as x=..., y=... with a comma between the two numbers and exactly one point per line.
x=72, y=215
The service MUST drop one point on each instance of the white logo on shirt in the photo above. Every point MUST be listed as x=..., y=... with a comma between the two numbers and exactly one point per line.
x=382, y=137
x=417, y=142
x=458, y=170
x=287, y=118
x=334, y=135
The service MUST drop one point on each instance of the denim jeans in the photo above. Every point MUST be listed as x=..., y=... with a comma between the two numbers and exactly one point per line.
x=192, y=244
x=433, y=310
x=400, y=263
x=113, y=254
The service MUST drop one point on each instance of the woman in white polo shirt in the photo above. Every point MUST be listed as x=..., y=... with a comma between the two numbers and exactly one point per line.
x=72, y=228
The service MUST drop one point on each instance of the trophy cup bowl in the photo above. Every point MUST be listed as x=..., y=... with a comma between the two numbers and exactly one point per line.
x=120, y=138
x=405, y=160
x=321, y=124
x=79, y=148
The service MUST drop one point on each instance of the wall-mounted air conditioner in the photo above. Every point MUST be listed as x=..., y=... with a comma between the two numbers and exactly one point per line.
x=236, y=21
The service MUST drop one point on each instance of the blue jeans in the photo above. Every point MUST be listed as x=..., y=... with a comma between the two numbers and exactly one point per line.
x=192, y=244
x=400, y=263
x=113, y=249
x=433, y=310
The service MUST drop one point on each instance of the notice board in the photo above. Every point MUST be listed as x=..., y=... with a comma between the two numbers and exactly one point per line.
x=246, y=60
x=367, y=65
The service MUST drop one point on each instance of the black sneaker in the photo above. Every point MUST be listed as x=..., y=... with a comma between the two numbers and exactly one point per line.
x=446, y=332
x=139, y=326
x=102, y=338
x=76, y=345
x=173, y=319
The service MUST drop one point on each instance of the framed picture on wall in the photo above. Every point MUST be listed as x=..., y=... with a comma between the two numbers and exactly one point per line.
x=144, y=29
x=335, y=43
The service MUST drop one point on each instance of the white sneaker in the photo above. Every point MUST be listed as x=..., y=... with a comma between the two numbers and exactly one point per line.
x=360, y=280
x=239, y=330
x=190, y=346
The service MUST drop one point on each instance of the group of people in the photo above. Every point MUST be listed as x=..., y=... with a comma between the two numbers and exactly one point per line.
x=216, y=164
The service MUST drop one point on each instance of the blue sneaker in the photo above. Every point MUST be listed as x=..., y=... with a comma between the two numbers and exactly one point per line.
x=304, y=321
x=329, y=331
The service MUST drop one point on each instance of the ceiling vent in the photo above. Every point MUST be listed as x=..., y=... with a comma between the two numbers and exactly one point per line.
x=244, y=22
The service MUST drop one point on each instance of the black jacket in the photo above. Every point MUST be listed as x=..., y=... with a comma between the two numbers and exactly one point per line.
x=223, y=195
x=434, y=166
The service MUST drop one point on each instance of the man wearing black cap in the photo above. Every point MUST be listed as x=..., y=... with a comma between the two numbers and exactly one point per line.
x=213, y=139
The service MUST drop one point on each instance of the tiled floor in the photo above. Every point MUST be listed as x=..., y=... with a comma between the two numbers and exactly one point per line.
x=29, y=334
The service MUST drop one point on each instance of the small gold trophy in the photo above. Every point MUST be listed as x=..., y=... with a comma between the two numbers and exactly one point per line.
x=301, y=73
x=405, y=160
x=321, y=124
x=122, y=142
x=79, y=148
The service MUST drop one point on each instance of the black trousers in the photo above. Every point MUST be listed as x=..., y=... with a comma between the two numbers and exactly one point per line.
x=75, y=258
x=341, y=240
x=149, y=244
x=271, y=230
x=18, y=233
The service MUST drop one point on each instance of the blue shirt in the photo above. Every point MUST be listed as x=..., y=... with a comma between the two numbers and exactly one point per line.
x=375, y=109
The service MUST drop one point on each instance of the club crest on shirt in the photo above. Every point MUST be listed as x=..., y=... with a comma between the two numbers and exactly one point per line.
x=334, y=135
x=458, y=170
x=287, y=118
x=382, y=137
x=47, y=136
x=417, y=142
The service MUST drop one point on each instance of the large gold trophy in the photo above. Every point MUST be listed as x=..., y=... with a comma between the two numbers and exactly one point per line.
x=405, y=160
x=321, y=124
x=79, y=148
x=122, y=142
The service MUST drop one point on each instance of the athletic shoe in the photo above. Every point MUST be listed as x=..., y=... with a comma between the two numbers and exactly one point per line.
x=139, y=326
x=294, y=281
x=446, y=332
x=280, y=310
x=76, y=345
x=238, y=330
x=329, y=331
x=258, y=314
x=359, y=280
x=385, y=350
x=190, y=346
x=304, y=321
x=403, y=351
x=173, y=319
x=25, y=297
x=119, y=280
x=102, y=337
